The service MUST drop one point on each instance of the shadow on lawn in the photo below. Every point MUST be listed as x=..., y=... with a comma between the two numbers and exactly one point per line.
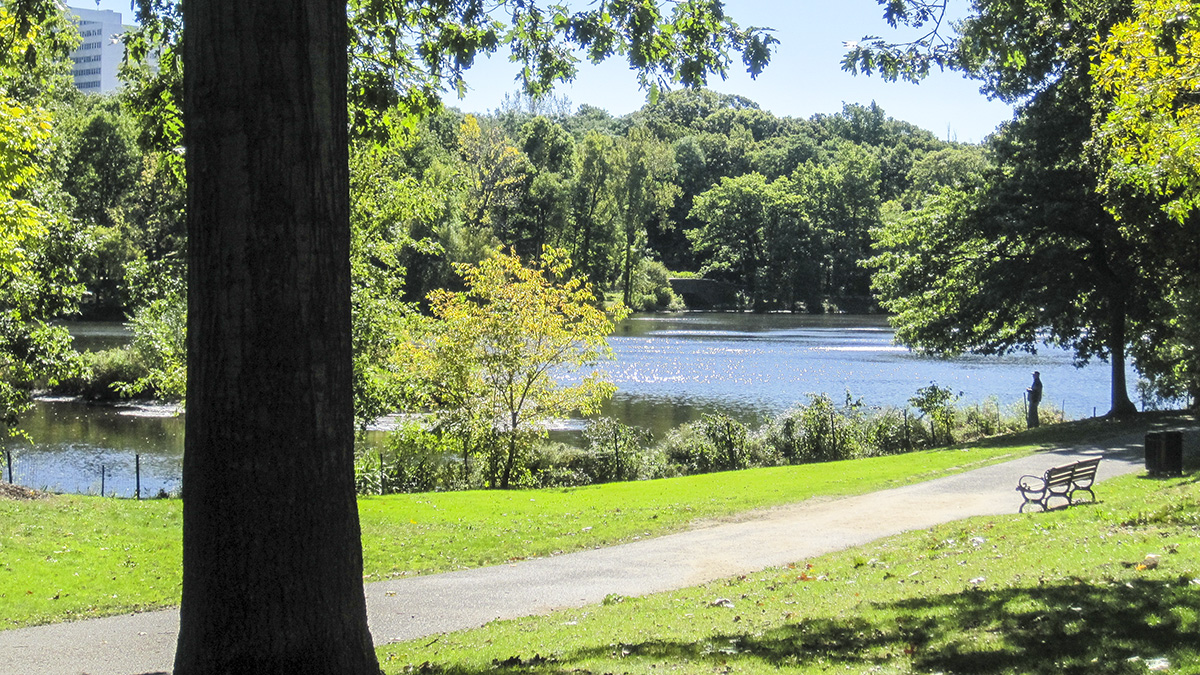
x=1052, y=629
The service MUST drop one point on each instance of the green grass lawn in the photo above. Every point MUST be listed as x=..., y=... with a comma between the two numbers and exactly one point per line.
x=1111, y=587
x=67, y=557
x=422, y=533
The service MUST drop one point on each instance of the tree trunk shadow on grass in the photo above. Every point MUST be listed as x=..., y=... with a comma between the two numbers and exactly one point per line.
x=1094, y=628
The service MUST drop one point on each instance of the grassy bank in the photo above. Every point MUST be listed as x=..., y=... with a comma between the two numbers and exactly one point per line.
x=67, y=557
x=1112, y=587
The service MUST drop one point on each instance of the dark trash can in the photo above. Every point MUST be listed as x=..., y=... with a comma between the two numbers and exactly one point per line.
x=1164, y=452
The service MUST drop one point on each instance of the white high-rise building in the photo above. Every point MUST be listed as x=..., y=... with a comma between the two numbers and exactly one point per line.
x=96, y=60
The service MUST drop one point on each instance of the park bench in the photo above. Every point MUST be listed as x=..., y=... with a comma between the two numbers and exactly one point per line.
x=1059, y=481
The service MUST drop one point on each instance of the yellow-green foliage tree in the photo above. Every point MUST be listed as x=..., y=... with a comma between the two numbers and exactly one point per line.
x=1149, y=142
x=22, y=129
x=35, y=285
x=1150, y=66
x=24, y=139
x=494, y=172
x=512, y=351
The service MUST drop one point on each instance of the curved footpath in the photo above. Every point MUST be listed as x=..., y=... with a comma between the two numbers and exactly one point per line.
x=419, y=606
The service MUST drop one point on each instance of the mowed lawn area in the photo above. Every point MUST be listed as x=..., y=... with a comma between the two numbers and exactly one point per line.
x=888, y=607
x=1110, y=587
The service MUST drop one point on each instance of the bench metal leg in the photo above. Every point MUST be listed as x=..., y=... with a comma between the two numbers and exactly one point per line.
x=1091, y=495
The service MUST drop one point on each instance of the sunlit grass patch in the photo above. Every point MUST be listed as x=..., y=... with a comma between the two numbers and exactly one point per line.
x=437, y=532
x=1068, y=591
x=69, y=557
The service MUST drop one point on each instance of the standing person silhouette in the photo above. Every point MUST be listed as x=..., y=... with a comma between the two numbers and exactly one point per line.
x=1034, y=394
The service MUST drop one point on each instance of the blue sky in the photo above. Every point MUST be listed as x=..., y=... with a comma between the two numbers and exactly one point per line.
x=804, y=78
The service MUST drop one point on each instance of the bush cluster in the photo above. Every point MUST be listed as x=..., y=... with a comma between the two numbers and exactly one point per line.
x=103, y=375
x=414, y=460
x=652, y=289
x=153, y=365
x=421, y=460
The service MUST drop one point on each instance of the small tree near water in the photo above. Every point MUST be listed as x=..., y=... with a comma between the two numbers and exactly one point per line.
x=937, y=403
x=617, y=449
x=500, y=351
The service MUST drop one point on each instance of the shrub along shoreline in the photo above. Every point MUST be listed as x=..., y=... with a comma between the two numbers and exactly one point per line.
x=422, y=459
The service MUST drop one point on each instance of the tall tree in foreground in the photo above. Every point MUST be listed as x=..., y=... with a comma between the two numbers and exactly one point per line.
x=272, y=560
x=1029, y=257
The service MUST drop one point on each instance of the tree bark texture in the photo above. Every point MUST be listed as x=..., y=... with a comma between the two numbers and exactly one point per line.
x=272, y=557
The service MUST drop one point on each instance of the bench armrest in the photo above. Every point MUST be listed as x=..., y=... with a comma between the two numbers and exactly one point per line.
x=1030, y=483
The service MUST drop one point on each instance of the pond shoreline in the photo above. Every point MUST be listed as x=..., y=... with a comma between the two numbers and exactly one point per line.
x=670, y=369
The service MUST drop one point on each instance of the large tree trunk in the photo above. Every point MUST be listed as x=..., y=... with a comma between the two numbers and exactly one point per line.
x=1121, y=405
x=272, y=557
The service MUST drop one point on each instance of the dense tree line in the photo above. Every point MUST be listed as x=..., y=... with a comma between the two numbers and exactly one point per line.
x=680, y=186
x=695, y=183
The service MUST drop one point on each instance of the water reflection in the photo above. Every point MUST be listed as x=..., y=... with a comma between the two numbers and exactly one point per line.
x=95, y=336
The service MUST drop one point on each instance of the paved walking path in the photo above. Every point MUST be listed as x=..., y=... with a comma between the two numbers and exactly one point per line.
x=420, y=606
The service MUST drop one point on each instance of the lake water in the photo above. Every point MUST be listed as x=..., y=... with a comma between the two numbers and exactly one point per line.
x=73, y=441
x=669, y=369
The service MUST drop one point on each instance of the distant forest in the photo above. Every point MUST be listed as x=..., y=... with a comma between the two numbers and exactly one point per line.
x=696, y=184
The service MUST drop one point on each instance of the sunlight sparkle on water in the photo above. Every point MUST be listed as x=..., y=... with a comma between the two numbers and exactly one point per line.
x=892, y=349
